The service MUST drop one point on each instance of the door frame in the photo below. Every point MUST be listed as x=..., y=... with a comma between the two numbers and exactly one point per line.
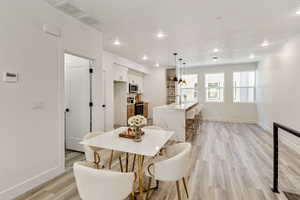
x=62, y=100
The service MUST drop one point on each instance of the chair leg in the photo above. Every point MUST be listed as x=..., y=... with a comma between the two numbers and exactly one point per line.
x=149, y=186
x=121, y=165
x=97, y=159
x=111, y=158
x=126, y=166
x=184, y=184
x=133, y=163
x=178, y=190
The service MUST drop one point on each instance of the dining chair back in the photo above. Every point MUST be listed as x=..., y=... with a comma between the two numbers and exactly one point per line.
x=95, y=184
x=153, y=127
x=176, y=165
x=89, y=150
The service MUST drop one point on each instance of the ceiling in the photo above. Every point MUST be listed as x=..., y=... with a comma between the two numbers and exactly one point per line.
x=193, y=28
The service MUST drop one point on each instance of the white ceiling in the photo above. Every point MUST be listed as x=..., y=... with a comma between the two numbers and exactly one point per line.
x=192, y=27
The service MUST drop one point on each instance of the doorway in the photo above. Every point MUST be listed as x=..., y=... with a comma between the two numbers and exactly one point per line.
x=120, y=104
x=78, y=103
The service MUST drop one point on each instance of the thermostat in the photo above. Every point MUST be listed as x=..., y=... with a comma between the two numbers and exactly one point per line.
x=10, y=77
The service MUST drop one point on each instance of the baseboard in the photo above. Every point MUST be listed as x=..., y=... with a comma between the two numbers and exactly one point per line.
x=229, y=120
x=19, y=189
x=264, y=127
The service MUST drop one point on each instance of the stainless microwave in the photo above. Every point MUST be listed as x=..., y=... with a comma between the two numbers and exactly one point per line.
x=133, y=88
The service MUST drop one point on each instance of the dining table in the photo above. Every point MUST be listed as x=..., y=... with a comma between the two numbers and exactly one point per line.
x=152, y=142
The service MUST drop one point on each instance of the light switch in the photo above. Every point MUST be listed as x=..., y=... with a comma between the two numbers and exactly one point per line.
x=10, y=77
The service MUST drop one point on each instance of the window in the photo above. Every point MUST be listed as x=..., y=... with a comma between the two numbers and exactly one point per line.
x=214, y=84
x=244, y=87
x=189, y=90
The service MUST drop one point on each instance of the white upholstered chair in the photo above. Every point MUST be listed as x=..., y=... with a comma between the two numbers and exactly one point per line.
x=95, y=184
x=173, y=168
x=92, y=154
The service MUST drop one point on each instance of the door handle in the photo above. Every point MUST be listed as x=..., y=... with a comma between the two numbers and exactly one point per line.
x=103, y=106
x=67, y=110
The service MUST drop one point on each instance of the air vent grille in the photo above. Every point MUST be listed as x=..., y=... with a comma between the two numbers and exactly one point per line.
x=89, y=20
x=70, y=9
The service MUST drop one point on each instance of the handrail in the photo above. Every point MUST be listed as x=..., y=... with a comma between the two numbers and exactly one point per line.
x=290, y=130
x=276, y=127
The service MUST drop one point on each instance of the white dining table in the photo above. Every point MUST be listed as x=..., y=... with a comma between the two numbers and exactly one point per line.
x=152, y=141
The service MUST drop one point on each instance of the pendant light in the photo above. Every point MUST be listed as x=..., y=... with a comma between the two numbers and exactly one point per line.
x=183, y=81
x=180, y=66
x=175, y=79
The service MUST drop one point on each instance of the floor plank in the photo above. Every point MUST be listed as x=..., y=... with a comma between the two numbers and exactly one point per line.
x=230, y=161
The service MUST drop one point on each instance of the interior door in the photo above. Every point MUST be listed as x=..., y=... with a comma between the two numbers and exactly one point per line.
x=78, y=91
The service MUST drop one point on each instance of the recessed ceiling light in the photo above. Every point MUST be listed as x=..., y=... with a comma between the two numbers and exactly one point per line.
x=298, y=12
x=252, y=56
x=216, y=50
x=145, y=57
x=160, y=34
x=157, y=64
x=265, y=44
x=117, y=42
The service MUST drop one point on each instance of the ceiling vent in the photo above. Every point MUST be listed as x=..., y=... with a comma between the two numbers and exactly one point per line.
x=54, y=2
x=70, y=9
x=89, y=20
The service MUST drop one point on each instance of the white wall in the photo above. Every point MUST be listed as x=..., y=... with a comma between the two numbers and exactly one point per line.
x=226, y=111
x=31, y=116
x=155, y=90
x=109, y=62
x=278, y=94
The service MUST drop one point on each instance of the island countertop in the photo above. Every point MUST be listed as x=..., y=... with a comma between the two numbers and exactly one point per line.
x=183, y=106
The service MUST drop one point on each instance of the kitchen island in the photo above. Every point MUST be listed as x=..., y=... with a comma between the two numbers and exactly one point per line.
x=173, y=117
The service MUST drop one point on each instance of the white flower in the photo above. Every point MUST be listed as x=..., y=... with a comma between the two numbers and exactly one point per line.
x=137, y=120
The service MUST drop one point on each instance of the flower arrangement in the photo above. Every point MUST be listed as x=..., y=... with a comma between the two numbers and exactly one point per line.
x=137, y=121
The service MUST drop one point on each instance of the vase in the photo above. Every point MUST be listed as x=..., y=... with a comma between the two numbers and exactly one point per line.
x=138, y=133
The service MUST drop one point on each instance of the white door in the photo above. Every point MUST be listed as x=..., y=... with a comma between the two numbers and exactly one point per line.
x=78, y=98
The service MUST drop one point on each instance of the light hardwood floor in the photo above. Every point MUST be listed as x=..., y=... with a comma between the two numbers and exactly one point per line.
x=230, y=161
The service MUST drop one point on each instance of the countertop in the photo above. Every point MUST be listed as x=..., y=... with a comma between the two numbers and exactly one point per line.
x=174, y=106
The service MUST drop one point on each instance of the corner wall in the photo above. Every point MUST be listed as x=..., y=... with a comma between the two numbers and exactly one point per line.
x=31, y=110
x=278, y=93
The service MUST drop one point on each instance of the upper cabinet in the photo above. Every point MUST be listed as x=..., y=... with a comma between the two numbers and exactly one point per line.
x=137, y=79
x=121, y=73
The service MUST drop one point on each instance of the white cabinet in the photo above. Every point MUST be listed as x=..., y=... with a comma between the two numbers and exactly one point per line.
x=120, y=73
x=137, y=79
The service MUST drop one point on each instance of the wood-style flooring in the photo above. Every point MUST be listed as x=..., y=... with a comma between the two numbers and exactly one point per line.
x=230, y=161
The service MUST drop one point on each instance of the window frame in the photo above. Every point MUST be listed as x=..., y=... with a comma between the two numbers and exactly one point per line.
x=249, y=87
x=221, y=89
x=195, y=89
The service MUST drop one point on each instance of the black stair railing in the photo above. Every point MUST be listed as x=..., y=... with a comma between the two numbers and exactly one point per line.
x=276, y=128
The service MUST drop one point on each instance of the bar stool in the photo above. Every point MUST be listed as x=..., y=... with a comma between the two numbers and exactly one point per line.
x=191, y=121
x=198, y=116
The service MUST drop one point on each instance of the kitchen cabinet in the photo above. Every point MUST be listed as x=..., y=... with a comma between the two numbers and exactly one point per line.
x=146, y=110
x=130, y=110
x=121, y=73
